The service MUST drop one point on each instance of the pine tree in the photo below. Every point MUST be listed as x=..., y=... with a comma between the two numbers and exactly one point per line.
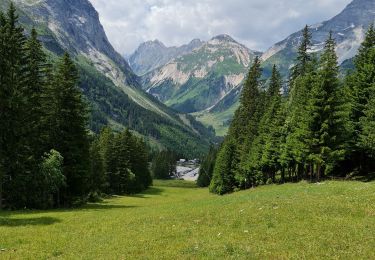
x=223, y=178
x=327, y=123
x=34, y=139
x=14, y=150
x=303, y=57
x=367, y=121
x=244, y=129
x=163, y=165
x=271, y=126
x=69, y=135
x=207, y=168
x=294, y=148
x=3, y=106
x=97, y=171
x=358, y=85
x=139, y=162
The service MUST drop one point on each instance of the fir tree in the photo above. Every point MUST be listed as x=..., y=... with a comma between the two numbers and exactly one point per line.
x=303, y=57
x=207, y=168
x=97, y=172
x=223, y=178
x=359, y=85
x=327, y=123
x=14, y=150
x=367, y=121
x=69, y=135
x=295, y=147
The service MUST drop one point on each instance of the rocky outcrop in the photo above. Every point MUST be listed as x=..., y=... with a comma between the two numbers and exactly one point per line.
x=199, y=80
x=153, y=54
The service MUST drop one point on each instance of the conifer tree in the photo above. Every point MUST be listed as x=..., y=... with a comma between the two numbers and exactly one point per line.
x=367, y=121
x=69, y=135
x=223, y=180
x=359, y=85
x=271, y=127
x=139, y=164
x=294, y=150
x=207, y=168
x=327, y=123
x=14, y=149
x=244, y=129
x=97, y=171
x=303, y=57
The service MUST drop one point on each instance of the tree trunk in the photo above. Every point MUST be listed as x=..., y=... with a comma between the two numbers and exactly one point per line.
x=283, y=175
x=318, y=172
x=1, y=193
x=311, y=171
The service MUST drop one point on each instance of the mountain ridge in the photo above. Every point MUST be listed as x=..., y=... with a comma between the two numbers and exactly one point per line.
x=153, y=54
x=107, y=81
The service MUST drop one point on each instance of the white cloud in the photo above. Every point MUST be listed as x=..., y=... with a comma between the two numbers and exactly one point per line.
x=256, y=23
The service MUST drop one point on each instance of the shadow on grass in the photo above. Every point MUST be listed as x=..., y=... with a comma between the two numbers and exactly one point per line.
x=368, y=178
x=149, y=191
x=100, y=206
x=16, y=222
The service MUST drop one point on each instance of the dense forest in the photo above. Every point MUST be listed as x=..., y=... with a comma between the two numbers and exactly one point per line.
x=48, y=157
x=324, y=126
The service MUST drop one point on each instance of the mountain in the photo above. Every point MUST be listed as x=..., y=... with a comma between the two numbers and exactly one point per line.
x=192, y=84
x=199, y=80
x=348, y=29
x=108, y=83
x=153, y=54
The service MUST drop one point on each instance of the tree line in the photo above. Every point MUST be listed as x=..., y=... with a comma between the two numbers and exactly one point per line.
x=48, y=157
x=324, y=126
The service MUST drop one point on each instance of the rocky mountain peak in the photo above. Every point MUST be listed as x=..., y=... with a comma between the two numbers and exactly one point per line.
x=223, y=38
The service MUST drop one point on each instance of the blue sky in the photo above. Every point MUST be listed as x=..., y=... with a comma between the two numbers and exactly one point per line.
x=256, y=23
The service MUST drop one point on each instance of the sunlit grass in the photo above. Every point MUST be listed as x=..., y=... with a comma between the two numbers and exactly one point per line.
x=331, y=220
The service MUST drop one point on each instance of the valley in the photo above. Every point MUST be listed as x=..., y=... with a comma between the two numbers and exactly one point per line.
x=174, y=219
x=206, y=80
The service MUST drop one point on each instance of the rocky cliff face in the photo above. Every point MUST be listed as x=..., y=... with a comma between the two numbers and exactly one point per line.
x=200, y=79
x=348, y=29
x=153, y=54
x=106, y=78
x=76, y=28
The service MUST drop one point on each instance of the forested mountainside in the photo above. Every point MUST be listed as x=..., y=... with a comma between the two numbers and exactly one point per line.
x=212, y=92
x=109, y=85
x=323, y=127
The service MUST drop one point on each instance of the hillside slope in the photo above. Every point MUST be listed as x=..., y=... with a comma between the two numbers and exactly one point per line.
x=186, y=85
x=110, y=86
x=330, y=220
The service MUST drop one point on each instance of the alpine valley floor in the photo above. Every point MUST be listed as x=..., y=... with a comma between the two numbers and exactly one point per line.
x=176, y=220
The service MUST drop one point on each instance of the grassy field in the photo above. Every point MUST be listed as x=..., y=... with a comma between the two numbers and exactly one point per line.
x=331, y=220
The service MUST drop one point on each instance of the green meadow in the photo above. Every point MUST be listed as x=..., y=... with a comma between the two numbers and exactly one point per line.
x=176, y=220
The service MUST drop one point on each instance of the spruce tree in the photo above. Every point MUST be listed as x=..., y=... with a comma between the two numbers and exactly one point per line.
x=303, y=57
x=97, y=171
x=244, y=129
x=139, y=165
x=367, y=121
x=14, y=149
x=295, y=147
x=69, y=135
x=207, y=168
x=359, y=86
x=271, y=127
x=327, y=122
x=223, y=178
